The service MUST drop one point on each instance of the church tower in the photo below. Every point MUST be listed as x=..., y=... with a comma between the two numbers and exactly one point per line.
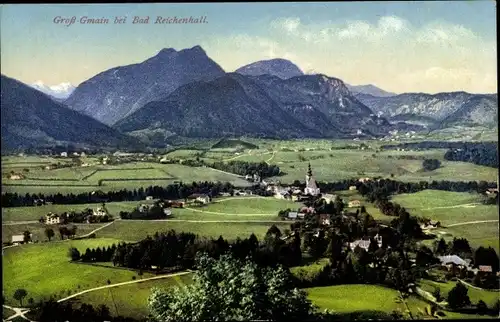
x=311, y=186
x=309, y=174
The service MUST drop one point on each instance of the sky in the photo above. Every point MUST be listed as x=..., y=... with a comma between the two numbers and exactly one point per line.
x=421, y=46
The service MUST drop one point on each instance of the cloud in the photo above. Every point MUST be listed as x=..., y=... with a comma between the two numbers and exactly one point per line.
x=355, y=29
x=390, y=51
x=444, y=34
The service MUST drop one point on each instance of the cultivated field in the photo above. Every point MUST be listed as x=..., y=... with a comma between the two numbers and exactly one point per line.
x=137, y=230
x=452, y=208
x=131, y=300
x=331, y=160
x=45, y=270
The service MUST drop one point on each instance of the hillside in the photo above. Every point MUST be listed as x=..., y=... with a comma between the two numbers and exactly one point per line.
x=118, y=92
x=369, y=89
x=437, y=107
x=278, y=67
x=261, y=106
x=31, y=118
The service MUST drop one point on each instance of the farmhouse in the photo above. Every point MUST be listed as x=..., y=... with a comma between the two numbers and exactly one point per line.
x=225, y=194
x=16, y=176
x=52, y=219
x=283, y=194
x=363, y=180
x=363, y=243
x=100, y=212
x=352, y=188
x=167, y=212
x=329, y=197
x=311, y=186
x=307, y=210
x=177, y=204
x=38, y=202
x=485, y=268
x=452, y=259
x=295, y=215
x=143, y=208
x=19, y=239
x=492, y=191
x=64, y=154
x=201, y=198
x=149, y=197
x=354, y=204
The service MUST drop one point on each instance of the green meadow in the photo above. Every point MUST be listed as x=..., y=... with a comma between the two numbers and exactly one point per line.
x=45, y=270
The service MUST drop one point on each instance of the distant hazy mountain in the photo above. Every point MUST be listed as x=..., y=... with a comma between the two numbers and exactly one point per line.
x=59, y=92
x=31, y=118
x=118, y=92
x=278, y=67
x=369, y=89
x=455, y=107
x=265, y=106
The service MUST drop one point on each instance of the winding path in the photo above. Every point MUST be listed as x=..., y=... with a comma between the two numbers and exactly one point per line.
x=226, y=214
x=22, y=311
x=465, y=205
x=471, y=222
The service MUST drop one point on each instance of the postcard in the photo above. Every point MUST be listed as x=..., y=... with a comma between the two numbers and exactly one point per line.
x=231, y=161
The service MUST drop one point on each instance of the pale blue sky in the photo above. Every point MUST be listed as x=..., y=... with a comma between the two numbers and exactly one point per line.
x=400, y=46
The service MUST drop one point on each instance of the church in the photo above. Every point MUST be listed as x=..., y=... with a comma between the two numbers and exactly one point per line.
x=311, y=186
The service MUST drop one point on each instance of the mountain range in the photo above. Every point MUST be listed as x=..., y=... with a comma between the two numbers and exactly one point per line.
x=31, y=118
x=115, y=93
x=186, y=93
x=436, y=110
x=265, y=106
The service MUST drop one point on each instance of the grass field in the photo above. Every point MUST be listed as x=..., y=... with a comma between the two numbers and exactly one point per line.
x=112, y=177
x=452, y=208
x=44, y=270
x=137, y=230
x=38, y=230
x=474, y=294
x=352, y=298
x=131, y=300
x=328, y=161
x=34, y=213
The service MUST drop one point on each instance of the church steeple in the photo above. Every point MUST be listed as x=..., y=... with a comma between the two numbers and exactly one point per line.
x=309, y=171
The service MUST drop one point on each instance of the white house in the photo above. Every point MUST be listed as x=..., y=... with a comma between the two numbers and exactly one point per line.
x=202, y=198
x=149, y=197
x=19, y=239
x=52, y=219
x=64, y=154
x=100, y=212
x=365, y=244
x=167, y=212
x=311, y=186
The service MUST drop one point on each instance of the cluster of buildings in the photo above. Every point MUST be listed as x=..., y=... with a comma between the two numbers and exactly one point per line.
x=453, y=261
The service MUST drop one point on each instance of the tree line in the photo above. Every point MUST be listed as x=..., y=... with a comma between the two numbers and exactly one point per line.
x=486, y=155
x=172, y=191
x=182, y=191
x=178, y=250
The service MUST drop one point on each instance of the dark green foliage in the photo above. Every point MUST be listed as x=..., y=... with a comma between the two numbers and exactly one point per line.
x=20, y=294
x=431, y=164
x=232, y=289
x=457, y=297
x=74, y=254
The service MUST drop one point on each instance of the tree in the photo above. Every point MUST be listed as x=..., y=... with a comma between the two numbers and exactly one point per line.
x=20, y=294
x=231, y=289
x=74, y=254
x=457, y=297
x=481, y=306
x=431, y=164
x=49, y=232
x=437, y=294
x=27, y=236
